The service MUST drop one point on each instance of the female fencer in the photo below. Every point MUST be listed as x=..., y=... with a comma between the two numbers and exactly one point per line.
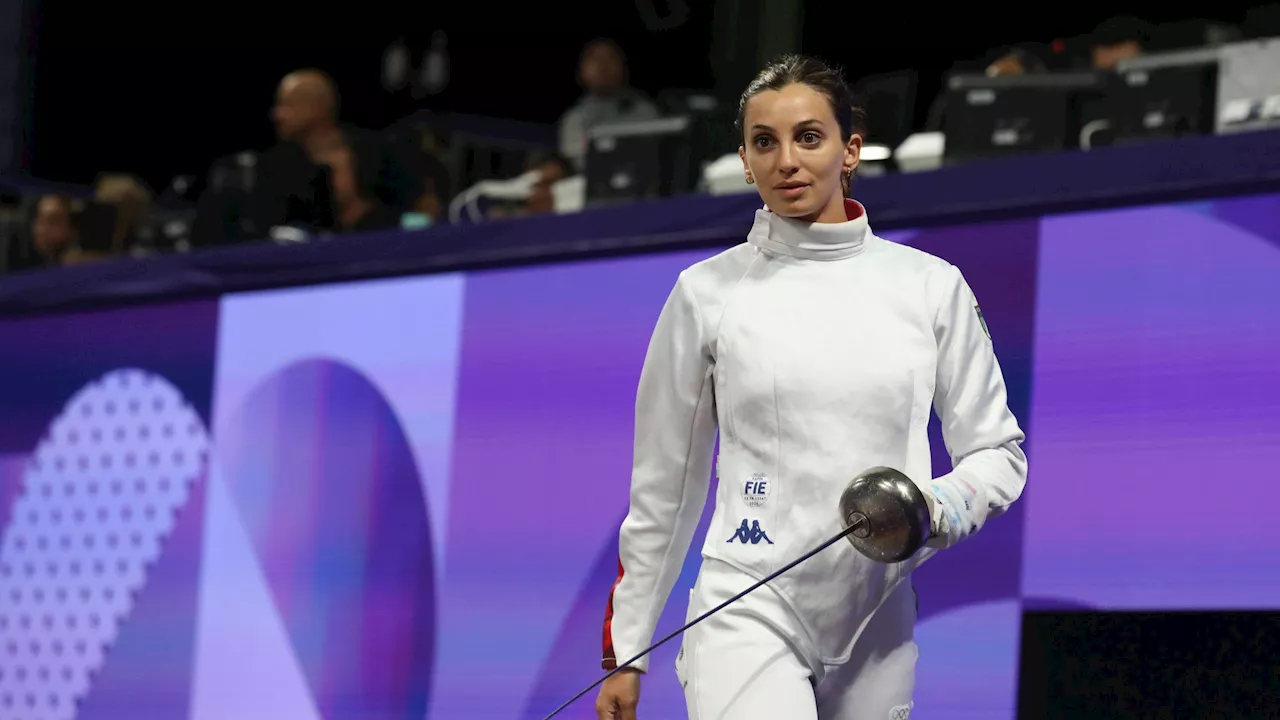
x=816, y=350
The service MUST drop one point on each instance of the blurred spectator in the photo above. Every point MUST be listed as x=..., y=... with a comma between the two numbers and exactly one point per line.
x=543, y=169
x=1119, y=38
x=1006, y=61
x=551, y=168
x=132, y=202
x=419, y=151
x=608, y=97
x=323, y=175
x=53, y=230
x=1016, y=61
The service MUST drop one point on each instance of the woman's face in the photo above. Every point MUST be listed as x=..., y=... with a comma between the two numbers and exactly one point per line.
x=793, y=151
x=52, y=230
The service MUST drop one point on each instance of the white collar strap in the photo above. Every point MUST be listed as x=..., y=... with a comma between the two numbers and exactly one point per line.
x=811, y=240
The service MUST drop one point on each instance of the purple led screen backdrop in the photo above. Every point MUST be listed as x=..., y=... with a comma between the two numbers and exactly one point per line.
x=400, y=498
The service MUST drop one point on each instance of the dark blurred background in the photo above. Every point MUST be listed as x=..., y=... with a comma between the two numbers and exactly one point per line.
x=133, y=129
x=161, y=89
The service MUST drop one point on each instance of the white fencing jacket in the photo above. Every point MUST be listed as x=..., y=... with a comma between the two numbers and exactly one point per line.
x=817, y=351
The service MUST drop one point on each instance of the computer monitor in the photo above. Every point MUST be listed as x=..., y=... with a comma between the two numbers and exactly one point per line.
x=1249, y=86
x=639, y=160
x=1014, y=115
x=712, y=133
x=889, y=100
x=1165, y=95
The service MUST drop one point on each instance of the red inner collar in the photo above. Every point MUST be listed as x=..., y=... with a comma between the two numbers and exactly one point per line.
x=852, y=209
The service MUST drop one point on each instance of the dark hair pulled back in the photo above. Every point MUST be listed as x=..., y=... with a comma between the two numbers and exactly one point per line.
x=810, y=71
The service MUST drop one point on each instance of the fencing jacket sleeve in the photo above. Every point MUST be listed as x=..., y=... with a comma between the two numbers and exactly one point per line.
x=981, y=434
x=675, y=432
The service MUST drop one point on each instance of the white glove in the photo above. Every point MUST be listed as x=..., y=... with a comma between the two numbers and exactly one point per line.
x=949, y=512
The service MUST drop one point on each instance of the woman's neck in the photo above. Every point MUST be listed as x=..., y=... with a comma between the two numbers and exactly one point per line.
x=834, y=212
x=839, y=210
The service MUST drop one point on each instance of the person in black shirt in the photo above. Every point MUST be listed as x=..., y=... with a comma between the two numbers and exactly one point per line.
x=323, y=175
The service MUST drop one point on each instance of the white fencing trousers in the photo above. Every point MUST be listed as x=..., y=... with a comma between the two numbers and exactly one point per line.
x=750, y=660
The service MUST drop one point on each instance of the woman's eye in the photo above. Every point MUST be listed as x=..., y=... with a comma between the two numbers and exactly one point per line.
x=810, y=138
x=763, y=141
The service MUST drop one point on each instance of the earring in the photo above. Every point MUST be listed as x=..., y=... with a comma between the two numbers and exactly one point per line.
x=750, y=180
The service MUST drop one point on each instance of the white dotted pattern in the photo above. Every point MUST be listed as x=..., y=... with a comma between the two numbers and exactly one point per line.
x=99, y=497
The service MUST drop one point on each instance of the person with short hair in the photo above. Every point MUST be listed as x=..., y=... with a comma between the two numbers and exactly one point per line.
x=1117, y=39
x=608, y=97
x=324, y=175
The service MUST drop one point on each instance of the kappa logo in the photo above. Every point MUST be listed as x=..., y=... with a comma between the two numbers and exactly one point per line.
x=750, y=534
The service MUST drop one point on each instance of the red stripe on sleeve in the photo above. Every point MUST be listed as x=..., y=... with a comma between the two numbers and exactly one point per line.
x=610, y=657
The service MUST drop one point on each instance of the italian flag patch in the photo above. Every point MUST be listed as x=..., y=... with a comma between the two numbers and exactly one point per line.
x=982, y=321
